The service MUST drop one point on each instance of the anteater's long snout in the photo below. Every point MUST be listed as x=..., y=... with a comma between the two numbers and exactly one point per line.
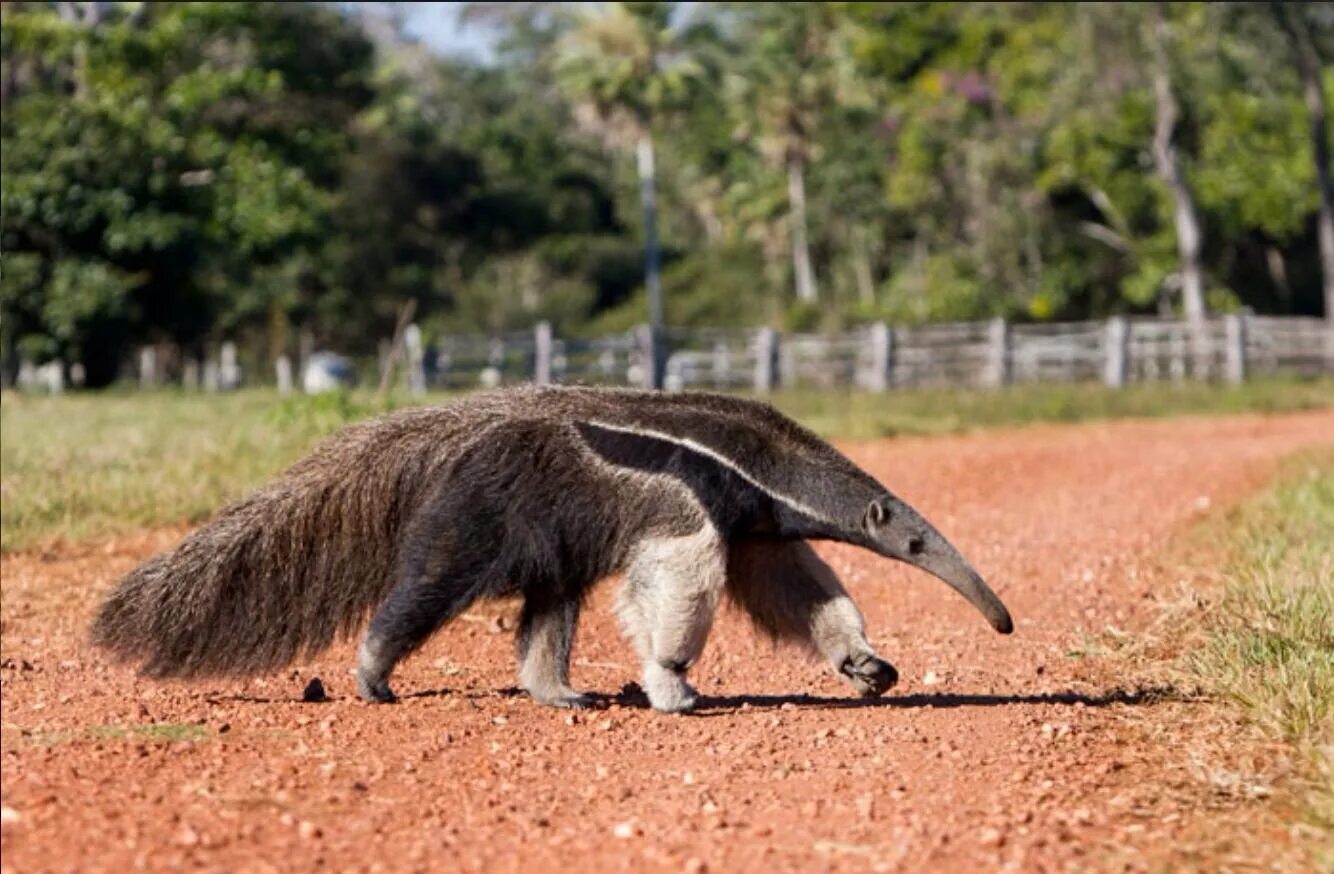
x=939, y=558
x=910, y=538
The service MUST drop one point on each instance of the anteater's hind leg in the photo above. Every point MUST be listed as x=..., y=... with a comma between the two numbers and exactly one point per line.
x=420, y=604
x=792, y=594
x=667, y=606
x=546, y=633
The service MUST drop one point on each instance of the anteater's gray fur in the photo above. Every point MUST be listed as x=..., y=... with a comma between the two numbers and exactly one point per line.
x=538, y=492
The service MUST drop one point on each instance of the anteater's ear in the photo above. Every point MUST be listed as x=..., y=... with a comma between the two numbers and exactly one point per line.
x=876, y=516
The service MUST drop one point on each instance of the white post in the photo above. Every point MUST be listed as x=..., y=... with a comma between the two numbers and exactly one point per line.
x=1234, y=350
x=998, y=337
x=1114, y=351
x=412, y=344
x=542, y=353
x=766, y=360
x=882, y=357
x=211, y=381
x=649, y=355
x=190, y=374
x=283, y=368
x=722, y=365
x=147, y=367
x=229, y=372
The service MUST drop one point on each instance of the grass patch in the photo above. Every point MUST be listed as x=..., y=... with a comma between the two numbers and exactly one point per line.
x=85, y=466
x=1267, y=643
x=864, y=415
x=158, y=732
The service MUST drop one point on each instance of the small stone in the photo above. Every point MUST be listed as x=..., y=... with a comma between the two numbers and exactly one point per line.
x=308, y=830
x=991, y=837
x=224, y=728
x=499, y=720
x=314, y=693
x=931, y=678
x=8, y=816
x=623, y=830
x=187, y=837
x=695, y=865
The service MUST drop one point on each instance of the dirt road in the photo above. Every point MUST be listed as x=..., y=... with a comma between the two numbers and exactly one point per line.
x=994, y=752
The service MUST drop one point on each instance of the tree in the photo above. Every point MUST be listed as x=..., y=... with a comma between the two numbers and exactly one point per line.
x=1186, y=217
x=790, y=69
x=627, y=64
x=1300, y=24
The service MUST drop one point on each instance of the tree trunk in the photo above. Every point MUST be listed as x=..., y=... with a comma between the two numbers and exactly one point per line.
x=1184, y=215
x=861, y=266
x=652, y=260
x=1308, y=64
x=801, y=250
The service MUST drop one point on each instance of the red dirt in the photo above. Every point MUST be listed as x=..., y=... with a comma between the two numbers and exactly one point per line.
x=994, y=752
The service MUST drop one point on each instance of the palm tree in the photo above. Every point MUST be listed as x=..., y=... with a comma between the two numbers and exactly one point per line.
x=625, y=65
x=790, y=77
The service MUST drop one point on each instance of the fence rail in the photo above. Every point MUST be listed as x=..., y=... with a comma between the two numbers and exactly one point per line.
x=879, y=357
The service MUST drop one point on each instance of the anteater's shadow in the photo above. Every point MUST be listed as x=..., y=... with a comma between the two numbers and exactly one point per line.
x=632, y=697
x=724, y=705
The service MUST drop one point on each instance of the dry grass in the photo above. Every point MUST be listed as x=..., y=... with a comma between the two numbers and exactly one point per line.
x=1256, y=638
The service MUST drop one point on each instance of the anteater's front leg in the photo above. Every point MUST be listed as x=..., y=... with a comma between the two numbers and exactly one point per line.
x=792, y=594
x=546, y=633
x=667, y=606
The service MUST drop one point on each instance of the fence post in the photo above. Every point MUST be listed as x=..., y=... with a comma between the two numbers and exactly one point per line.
x=766, y=360
x=229, y=371
x=998, y=336
x=1234, y=349
x=211, y=380
x=190, y=374
x=653, y=349
x=412, y=345
x=147, y=367
x=882, y=357
x=542, y=353
x=1115, y=346
x=283, y=371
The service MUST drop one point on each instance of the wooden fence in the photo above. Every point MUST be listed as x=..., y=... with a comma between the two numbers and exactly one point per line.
x=880, y=357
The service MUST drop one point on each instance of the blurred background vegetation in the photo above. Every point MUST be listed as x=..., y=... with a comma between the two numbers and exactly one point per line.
x=183, y=173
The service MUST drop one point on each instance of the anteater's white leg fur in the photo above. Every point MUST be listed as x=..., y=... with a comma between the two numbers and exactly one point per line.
x=667, y=605
x=793, y=595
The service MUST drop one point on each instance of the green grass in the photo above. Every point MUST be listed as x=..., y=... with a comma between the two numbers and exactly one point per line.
x=157, y=732
x=863, y=415
x=87, y=466
x=1267, y=644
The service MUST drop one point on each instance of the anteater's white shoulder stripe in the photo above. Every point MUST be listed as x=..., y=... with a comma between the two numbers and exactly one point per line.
x=710, y=452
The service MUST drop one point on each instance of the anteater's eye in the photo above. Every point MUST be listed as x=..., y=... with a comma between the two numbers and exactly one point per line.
x=916, y=546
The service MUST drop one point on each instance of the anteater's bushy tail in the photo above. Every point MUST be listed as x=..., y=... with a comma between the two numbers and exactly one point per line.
x=282, y=573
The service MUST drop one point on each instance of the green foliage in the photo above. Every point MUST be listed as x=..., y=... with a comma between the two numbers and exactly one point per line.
x=186, y=173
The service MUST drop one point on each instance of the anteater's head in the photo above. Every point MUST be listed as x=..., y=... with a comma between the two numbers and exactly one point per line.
x=894, y=529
